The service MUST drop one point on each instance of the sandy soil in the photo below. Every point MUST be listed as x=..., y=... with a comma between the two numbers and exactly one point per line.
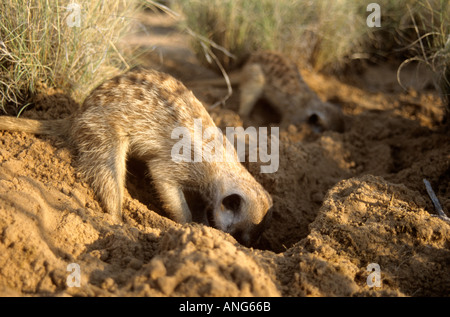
x=342, y=201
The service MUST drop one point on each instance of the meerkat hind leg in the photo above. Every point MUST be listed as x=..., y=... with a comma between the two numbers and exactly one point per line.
x=251, y=88
x=106, y=171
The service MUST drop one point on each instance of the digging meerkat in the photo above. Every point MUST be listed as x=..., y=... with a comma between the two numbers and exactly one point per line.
x=274, y=78
x=133, y=115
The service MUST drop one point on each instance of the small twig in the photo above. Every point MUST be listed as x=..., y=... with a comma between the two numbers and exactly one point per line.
x=403, y=64
x=164, y=8
x=210, y=54
x=201, y=38
x=435, y=201
x=210, y=57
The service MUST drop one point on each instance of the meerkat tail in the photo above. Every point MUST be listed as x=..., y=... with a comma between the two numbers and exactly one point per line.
x=53, y=127
x=235, y=79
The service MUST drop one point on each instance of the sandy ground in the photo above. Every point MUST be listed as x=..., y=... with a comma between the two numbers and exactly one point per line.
x=342, y=202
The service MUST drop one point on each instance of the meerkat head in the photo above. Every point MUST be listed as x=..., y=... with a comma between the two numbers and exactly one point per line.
x=241, y=209
x=325, y=116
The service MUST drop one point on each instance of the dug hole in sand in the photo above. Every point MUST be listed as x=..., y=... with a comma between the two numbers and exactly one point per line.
x=342, y=201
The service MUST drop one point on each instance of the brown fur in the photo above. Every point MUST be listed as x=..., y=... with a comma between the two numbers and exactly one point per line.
x=133, y=115
x=273, y=77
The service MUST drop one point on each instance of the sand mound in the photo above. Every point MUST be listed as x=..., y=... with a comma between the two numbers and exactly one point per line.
x=344, y=202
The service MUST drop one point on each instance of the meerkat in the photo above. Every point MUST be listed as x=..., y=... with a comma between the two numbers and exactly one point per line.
x=133, y=115
x=276, y=79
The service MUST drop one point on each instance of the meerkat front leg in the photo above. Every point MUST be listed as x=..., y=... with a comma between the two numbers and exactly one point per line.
x=251, y=87
x=171, y=195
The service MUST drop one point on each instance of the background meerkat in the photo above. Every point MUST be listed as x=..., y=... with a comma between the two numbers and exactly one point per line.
x=133, y=115
x=273, y=77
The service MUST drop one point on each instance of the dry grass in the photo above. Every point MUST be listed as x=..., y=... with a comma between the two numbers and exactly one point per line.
x=431, y=45
x=40, y=46
x=330, y=35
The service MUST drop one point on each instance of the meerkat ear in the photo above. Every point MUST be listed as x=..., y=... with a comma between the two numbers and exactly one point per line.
x=326, y=116
x=232, y=202
x=313, y=119
x=315, y=122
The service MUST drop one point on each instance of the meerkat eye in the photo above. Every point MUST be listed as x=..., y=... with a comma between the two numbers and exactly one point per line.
x=232, y=202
